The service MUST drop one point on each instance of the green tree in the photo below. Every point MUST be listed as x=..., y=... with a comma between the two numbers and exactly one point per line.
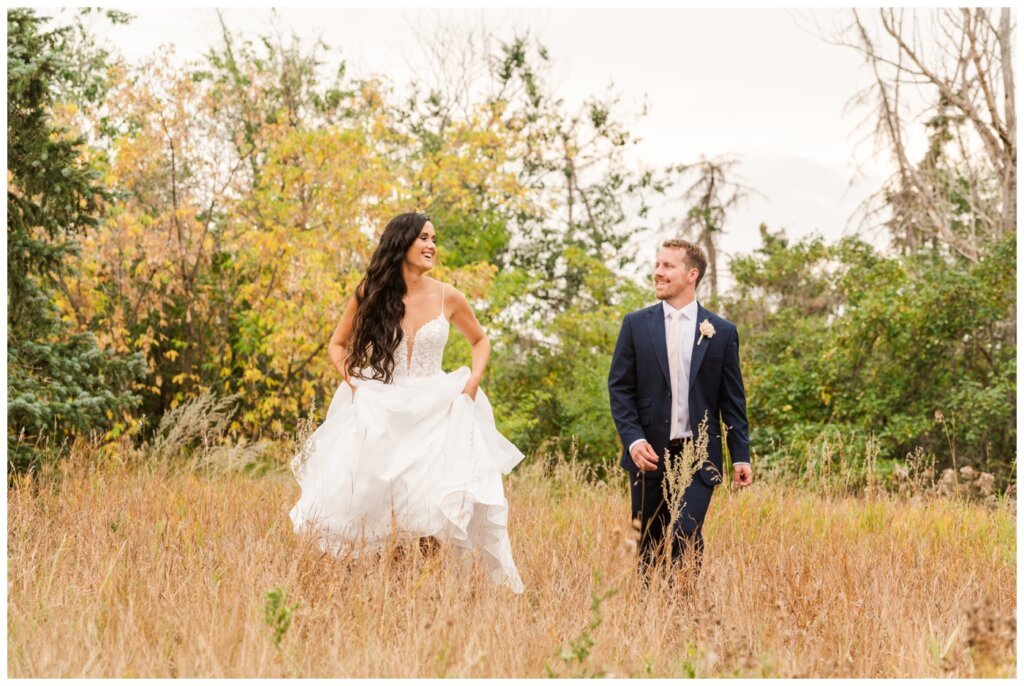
x=844, y=337
x=555, y=306
x=60, y=383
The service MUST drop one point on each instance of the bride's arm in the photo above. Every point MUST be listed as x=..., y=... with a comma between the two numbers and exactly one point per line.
x=465, y=321
x=336, y=349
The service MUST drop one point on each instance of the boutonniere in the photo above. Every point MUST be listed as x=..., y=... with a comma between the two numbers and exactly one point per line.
x=707, y=330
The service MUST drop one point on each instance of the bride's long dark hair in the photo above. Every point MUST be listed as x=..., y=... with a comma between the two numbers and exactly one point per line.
x=377, y=329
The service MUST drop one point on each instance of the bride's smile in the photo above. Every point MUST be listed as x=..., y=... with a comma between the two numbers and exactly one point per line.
x=421, y=253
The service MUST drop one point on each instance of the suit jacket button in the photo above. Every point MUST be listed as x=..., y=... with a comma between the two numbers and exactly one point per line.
x=666, y=421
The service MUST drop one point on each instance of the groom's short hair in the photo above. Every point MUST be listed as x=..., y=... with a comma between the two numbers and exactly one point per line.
x=694, y=255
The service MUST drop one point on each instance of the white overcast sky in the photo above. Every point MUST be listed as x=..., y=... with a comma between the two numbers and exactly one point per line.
x=753, y=83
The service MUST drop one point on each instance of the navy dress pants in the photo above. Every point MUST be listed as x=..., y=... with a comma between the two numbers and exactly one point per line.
x=650, y=507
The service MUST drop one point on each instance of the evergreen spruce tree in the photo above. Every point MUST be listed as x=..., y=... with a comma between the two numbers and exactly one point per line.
x=60, y=384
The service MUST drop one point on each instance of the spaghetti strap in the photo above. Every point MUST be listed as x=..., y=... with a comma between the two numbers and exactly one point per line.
x=443, y=287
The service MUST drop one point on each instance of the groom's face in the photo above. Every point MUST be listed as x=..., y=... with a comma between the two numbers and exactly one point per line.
x=672, y=275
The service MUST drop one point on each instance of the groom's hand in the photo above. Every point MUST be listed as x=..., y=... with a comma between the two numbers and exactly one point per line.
x=644, y=457
x=742, y=474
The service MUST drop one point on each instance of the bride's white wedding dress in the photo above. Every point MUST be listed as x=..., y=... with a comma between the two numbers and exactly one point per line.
x=409, y=459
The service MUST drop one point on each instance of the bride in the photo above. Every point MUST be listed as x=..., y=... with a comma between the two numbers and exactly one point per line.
x=407, y=451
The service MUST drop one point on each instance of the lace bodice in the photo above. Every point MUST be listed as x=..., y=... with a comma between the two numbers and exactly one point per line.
x=427, y=349
x=422, y=355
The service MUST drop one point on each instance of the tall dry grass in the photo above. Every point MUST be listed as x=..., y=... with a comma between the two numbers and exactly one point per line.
x=132, y=570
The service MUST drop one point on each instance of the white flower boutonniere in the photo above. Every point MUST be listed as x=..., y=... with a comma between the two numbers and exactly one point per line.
x=707, y=330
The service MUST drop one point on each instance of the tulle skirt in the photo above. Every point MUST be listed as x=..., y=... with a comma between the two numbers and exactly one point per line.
x=410, y=459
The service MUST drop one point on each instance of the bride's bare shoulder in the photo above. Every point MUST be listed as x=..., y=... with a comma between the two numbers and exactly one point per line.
x=454, y=301
x=449, y=290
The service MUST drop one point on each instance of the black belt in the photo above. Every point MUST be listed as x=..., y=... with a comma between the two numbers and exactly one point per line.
x=677, y=442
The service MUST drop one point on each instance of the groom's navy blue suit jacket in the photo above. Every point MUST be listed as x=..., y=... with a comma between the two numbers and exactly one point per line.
x=641, y=395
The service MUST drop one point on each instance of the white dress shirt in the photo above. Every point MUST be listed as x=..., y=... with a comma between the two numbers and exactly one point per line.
x=686, y=321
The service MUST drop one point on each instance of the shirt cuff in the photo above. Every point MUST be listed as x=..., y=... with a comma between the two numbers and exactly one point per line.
x=741, y=462
x=634, y=444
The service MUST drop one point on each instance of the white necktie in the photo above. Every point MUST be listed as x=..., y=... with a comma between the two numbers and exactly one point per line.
x=673, y=368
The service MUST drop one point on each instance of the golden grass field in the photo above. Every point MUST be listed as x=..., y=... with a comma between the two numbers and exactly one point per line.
x=160, y=571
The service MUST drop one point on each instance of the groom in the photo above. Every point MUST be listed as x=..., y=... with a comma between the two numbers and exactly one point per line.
x=676, y=363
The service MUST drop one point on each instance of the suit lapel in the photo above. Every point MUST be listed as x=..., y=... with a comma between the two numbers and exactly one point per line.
x=656, y=327
x=697, y=355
